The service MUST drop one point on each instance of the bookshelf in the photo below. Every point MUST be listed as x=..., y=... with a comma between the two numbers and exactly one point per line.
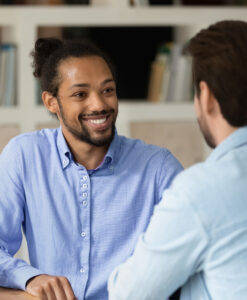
x=20, y=23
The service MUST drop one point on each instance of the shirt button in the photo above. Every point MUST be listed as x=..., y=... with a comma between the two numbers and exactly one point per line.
x=84, y=203
x=110, y=167
x=82, y=270
x=84, y=177
x=84, y=195
x=84, y=185
x=64, y=161
x=83, y=234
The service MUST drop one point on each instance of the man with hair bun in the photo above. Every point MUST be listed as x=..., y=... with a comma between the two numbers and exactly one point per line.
x=197, y=237
x=81, y=192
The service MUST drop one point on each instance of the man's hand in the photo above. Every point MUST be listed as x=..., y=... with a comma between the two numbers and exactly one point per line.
x=48, y=287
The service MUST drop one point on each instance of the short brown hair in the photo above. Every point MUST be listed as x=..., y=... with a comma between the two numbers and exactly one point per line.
x=219, y=55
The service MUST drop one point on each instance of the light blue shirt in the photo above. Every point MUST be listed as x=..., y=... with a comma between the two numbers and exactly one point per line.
x=78, y=223
x=197, y=237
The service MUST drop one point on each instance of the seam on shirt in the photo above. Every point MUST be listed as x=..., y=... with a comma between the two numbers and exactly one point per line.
x=21, y=175
x=14, y=145
x=203, y=226
x=164, y=153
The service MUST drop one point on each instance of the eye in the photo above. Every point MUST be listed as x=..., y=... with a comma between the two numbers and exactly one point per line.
x=109, y=90
x=80, y=95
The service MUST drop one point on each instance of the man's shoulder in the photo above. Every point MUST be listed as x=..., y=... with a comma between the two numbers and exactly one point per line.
x=136, y=153
x=195, y=174
x=28, y=141
x=139, y=147
x=195, y=182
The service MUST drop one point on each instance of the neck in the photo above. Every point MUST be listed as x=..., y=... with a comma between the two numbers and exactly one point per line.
x=222, y=129
x=89, y=156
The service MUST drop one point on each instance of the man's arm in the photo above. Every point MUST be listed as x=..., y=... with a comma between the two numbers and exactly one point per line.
x=13, y=272
x=16, y=273
x=166, y=255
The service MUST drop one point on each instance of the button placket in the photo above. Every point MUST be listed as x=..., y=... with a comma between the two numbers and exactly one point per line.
x=84, y=233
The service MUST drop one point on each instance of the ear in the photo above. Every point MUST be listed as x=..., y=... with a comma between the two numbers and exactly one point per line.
x=208, y=102
x=50, y=102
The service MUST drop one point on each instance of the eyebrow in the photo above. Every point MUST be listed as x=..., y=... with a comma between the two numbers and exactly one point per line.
x=87, y=84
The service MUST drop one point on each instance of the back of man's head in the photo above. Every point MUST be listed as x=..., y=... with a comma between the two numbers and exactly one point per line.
x=220, y=59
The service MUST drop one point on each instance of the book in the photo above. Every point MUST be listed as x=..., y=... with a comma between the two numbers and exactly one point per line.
x=180, y=80
x=170, y=75
x=159, y=75
x=3, y=67
x=155, y=82
x=7, y=74
x=140, y=2
x=10, y=86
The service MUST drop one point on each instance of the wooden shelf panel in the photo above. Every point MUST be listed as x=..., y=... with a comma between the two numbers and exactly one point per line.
x=10, y=294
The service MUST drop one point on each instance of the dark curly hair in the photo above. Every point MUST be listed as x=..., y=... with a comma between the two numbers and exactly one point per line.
x=219, y=58
x=50, y=52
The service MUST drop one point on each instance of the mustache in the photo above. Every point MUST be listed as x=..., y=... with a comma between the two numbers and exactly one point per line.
x=97, y=113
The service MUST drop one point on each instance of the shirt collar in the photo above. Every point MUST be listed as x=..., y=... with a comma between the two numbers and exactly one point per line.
x=236, y=139
x=64, y=151
x=114, y=149
x=110, y=158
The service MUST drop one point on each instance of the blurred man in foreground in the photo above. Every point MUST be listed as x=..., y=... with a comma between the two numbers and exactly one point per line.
x=197, y=237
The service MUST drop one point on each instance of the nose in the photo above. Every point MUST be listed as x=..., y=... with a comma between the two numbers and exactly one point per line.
x=97, y=102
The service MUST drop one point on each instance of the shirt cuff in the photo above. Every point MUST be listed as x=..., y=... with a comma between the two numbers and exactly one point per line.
x=20, y=276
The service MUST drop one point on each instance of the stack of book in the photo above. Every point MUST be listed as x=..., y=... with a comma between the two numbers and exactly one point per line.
x=7, y=74
x=43, y=2
x=171, y=75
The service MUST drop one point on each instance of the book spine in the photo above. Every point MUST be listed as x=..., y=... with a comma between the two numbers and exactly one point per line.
x=10, y=84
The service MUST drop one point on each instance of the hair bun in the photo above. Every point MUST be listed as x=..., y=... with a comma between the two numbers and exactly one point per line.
x=44, y=47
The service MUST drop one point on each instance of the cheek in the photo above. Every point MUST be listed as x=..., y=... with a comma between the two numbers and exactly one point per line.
x=114, y=103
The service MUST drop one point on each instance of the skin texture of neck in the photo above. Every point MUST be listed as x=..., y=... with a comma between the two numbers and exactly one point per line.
x=220, y=129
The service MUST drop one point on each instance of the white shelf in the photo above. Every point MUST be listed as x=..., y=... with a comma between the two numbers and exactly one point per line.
x=147, y=111
x=146, y=16
x=9, y=115
x=133, y=111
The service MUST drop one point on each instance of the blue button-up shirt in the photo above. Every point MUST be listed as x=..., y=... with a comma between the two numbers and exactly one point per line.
x=78, y=223
x=197, y=236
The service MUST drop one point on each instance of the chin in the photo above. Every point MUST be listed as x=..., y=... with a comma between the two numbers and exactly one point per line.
x=100, y=139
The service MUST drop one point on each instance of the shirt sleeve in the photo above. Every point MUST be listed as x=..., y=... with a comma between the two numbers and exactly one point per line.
x=14, y=272
x=169, y=168
x=168, y=253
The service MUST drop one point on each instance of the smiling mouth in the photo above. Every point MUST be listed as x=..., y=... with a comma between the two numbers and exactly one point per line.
x=97, y=121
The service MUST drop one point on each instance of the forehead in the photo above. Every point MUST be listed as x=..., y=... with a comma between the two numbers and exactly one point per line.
x=84, y=68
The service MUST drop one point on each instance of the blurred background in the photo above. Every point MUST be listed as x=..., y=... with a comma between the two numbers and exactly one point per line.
x=144, y=38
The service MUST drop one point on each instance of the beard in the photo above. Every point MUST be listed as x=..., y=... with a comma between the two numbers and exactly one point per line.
x=206, y=133
x=83, y=133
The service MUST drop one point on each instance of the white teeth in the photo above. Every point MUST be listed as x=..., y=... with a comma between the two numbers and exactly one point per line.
x=98, y=121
